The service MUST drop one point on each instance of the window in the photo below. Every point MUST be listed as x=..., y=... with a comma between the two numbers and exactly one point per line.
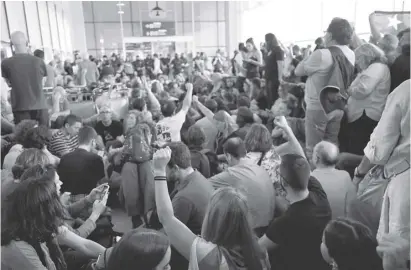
x=44, y=24
x=4, y=24
x=17, y=20
x=33, y=21
x=53, y=25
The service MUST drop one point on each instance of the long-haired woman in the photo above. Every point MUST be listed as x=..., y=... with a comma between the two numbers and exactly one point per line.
x=30, y=227
x=11, y=179
x=227, y=240
x=81, y=249
x=349, y=245
x=253, y=60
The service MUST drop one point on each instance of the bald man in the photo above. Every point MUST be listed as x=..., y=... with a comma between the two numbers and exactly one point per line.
x=337, y=184
x=24, y=73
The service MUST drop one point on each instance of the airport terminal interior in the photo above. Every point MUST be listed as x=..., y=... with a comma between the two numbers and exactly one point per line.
x=235, y=135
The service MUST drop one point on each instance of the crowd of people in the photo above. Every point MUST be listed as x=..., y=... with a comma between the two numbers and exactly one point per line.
x=279, y=158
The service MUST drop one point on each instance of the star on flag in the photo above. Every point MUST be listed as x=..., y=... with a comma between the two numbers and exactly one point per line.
x=389, y=22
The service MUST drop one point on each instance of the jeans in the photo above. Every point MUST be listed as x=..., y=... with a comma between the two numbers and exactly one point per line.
x=42, y=116
x=319, y=127
x=272, y=91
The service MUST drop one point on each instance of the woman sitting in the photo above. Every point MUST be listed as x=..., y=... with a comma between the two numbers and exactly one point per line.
x=349, y=245
x=75, y=224
x=146, y=248
x=13, y=141
x=227, y=240
x=36, y=137
x=368, y=95
x=11, y=179
x=260, y=149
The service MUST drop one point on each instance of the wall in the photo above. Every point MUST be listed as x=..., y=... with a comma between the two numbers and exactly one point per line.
x=103, y=23
x=55, y=26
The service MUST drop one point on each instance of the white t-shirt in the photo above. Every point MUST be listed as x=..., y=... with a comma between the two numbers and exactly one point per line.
x=168, y=129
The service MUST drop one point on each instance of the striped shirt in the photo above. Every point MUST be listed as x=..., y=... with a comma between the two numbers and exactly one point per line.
x=61, y=144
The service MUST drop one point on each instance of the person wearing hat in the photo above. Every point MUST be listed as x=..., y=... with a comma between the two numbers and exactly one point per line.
x=298, y=232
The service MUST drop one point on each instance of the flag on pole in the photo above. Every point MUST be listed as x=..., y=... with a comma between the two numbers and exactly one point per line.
x=383, y=22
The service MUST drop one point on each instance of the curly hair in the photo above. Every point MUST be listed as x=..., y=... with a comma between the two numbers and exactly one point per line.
x=28, y=158
x=22, y=128
x=34, y=215
x=36, y=137
x=341, y=31
x=258, y=139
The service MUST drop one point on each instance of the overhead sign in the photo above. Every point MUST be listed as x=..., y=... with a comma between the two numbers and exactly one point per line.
x=159, y=29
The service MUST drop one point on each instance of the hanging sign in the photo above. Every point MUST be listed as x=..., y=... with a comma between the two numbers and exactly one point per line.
x=159, y=29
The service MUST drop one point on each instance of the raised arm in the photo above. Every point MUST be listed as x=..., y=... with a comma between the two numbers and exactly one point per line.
x=281, y=122
x=180, y=236
x=203, y=109
x=188, y=98
x=154, y=103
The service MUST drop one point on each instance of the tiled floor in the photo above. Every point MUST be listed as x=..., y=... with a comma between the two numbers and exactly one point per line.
x=122, y=222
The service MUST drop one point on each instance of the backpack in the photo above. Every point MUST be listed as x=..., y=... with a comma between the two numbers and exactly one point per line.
x=334, y=95
x=213, y=160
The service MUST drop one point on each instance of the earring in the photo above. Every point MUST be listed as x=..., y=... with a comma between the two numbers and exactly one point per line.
x=334, y=265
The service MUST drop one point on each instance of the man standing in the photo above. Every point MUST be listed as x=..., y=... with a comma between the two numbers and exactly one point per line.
x=24, y=73
x=389, y=147
x=51, y=72
x=88, y=68
x=319, y=67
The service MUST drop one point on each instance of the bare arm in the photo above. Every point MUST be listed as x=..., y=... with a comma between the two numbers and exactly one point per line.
x=204, y=110
x=80, y=244
x=180, y=236
x=188, y=98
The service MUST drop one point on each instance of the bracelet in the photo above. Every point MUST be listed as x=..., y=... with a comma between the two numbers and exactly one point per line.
x=160, y=178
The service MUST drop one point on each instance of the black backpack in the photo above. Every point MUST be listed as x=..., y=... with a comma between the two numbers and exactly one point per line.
x=213, y=160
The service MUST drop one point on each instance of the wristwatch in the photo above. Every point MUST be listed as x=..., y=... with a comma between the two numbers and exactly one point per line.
x=357, y=174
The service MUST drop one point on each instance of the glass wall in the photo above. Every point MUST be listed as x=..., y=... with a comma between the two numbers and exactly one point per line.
x=103, y=23
x=43, y=23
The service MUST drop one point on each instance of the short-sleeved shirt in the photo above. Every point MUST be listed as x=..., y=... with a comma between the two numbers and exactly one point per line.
x=25, y=73
x=111, y=132
x=299, y=231
x=60, y=143
x=168, y=129
x=271, y=67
